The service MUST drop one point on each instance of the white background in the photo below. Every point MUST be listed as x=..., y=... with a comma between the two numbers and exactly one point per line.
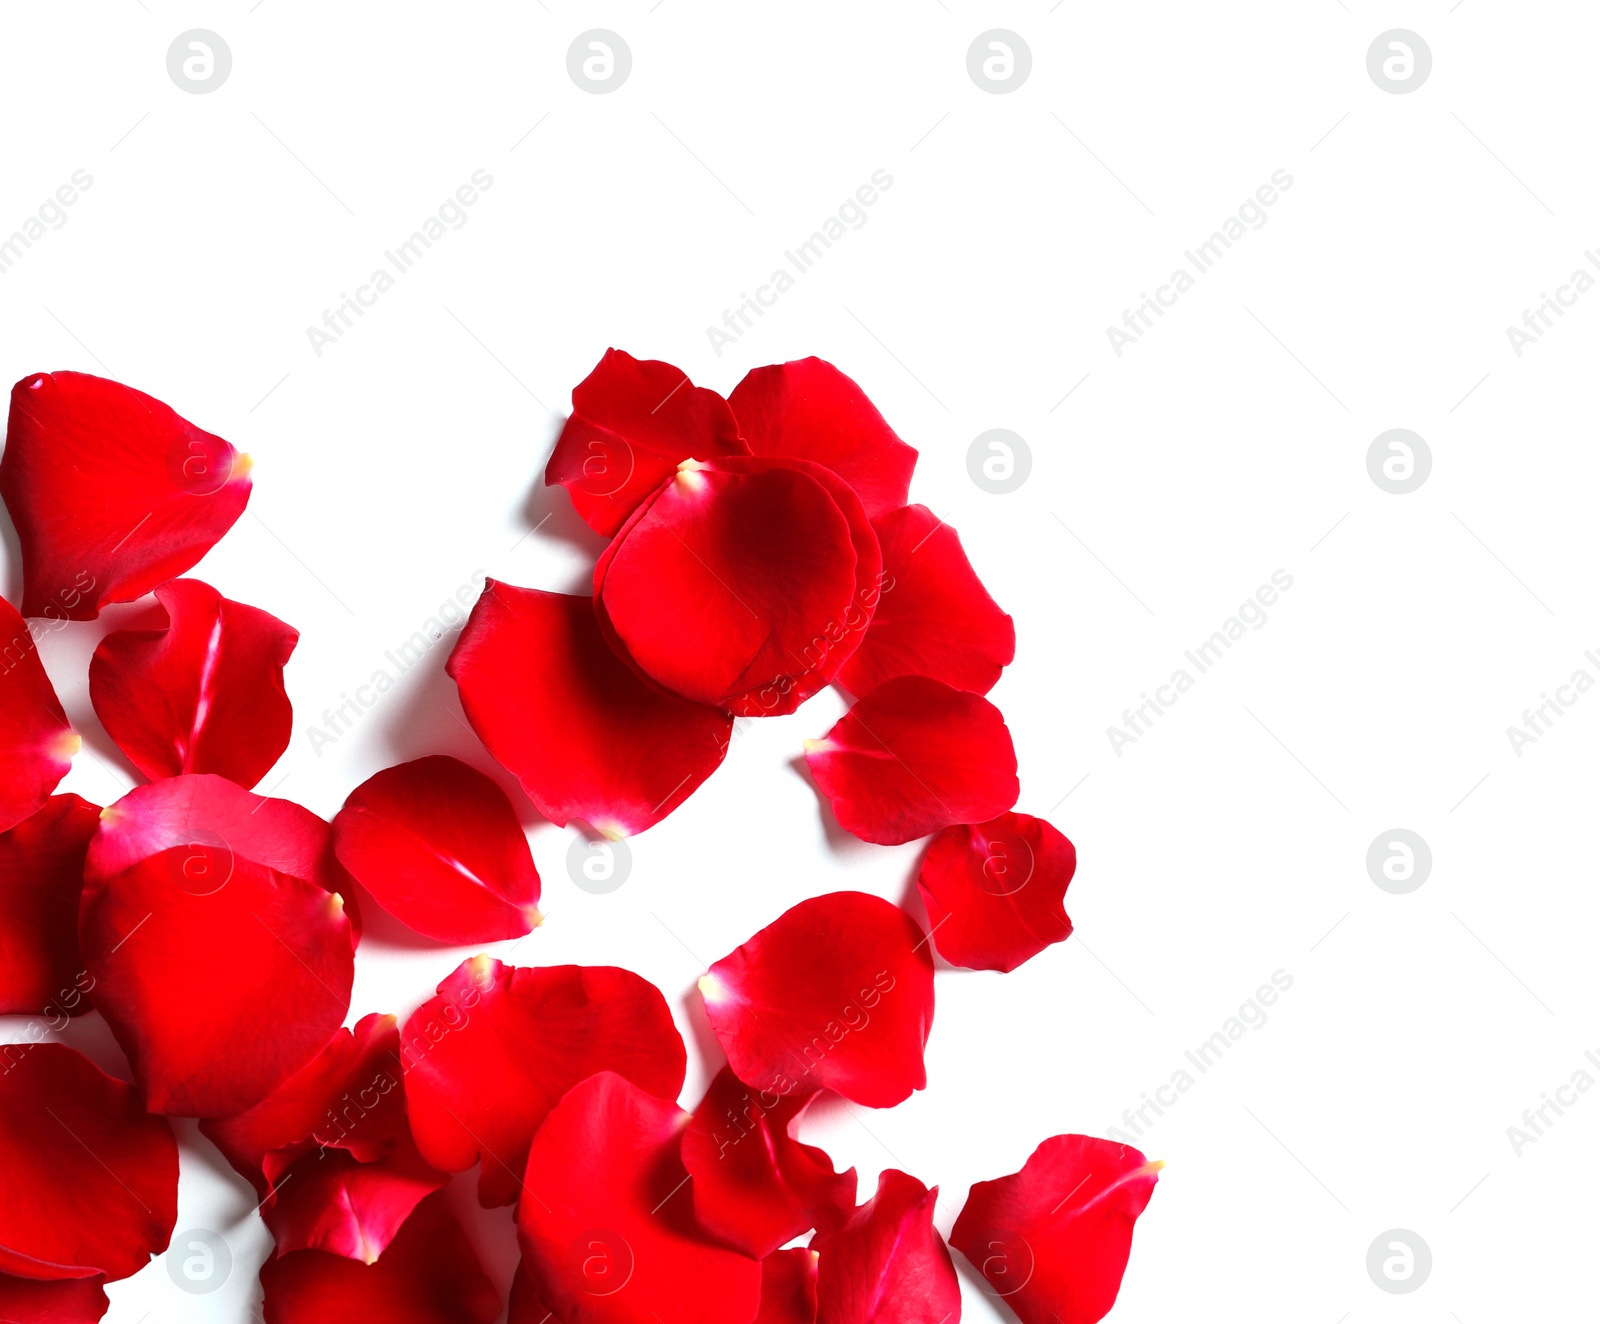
x=1167, y=485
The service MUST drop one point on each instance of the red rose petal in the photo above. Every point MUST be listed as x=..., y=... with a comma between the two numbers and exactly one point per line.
x=429, y=1275
x=36, y=744
x=440, y=848
x=836, y=993
x=586, y=737
x=633, y=422
x=755, y=1186
x=111, y=492
x=65, y=1301
x=88, y=1179
x=209, y=1036
x=888, y=1265
x=934, y=617
x=914, y=756
x=1053, y=1239
x=789, y=1287
x=994, y=892
x=527, y=1306
x=202, y=694
x=41, y=879
x=807, y=409
x=488, y=1057
x=606, y=1226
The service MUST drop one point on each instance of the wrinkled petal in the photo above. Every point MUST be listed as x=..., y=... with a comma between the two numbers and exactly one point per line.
x=36, y=744
x=440, y=848
x=111, y=492
x=488, y=1057
x=994, y=892
x=527, y=1305
x=755, y=1186
x=914, y=756
x=64, y=1301
x=888, y=1265
x=789, y=1287
x=429, y=1275
x=586, y=737
x=836, y=993
x=934, y=617
x=41, y=879
x=606, y=1225
x=88, y=1179
x=209, y=1035
x=1053, y=1240
x=633, y=422
x=202, y=694
x=807, y=409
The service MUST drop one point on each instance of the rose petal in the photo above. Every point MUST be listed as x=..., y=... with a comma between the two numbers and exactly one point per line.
x=88, y=1179
x=1053, y=1239
x=527, y=1305
x=202, y=694
x=633, y=422
x=210, y=1036
x=914, y=756
x=755, y=1186
x=606, y=1226
x=36, y=744
x=111, y=492
x=994, y=892
x=65, y=1301
x=836, y=993
x=488, y=1057
x=934, y=617
x=789, y=1287
x=807, y=409
x=888, y=1265
x=429, y=1275
x=41, y=879
x=586, y=737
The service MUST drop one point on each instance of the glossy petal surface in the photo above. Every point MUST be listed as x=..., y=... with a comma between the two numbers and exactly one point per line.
x=36, y=744
x=789, y=1287
x=888, y=1264
x=64, y=1301
x=41, y=880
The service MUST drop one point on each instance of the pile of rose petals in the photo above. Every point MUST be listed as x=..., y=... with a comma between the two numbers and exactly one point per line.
x=761, y=549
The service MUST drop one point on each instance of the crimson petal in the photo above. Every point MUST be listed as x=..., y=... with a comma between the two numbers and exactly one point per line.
x=41, y=879
x=112, y=492
x=914, y=756
x=64, y=1301
x=888, y=1265
x=586, y=737
x=835, y=993
x=202, y=694
x=1053, y=1240
x=527, y=1306
x=488, y=1057
x=789, y=1287
x=36, y=744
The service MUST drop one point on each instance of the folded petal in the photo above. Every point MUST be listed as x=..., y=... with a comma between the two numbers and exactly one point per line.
x=41, y=879
x=586, y=736
x=994, y=891
x=934, y=617
x=88, y=1179
x=204, y=693
x=527, y=1305
x=888, y=1264
x=111, y=492
x=488, y=1057
x=1053, y=1240
x=914, y=756
x=606, y=1225
x=429, y=1275
x=789, y=1287
x=36, y=744
x=210, y=1035
x=64, y=1301
x=633, y=422
x=755, y=1186
x=807, y=409
x=836, y=993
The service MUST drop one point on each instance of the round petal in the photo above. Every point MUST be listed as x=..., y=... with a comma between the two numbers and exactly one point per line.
x=64, y=1301
x=605, y=1224
x=914, y=756
x=111, y=492
x=488, y=1057
x=210, y=1036
x=836, y=993
x=633, y=422
x=934, y=618
x=887, y=1264
x=789, y=1287
x=1053, y=1240
x=41, y=879
x=88, y=1179
x=202, y=694
x=586, y=736
x=994, y=891
x=36, y=744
